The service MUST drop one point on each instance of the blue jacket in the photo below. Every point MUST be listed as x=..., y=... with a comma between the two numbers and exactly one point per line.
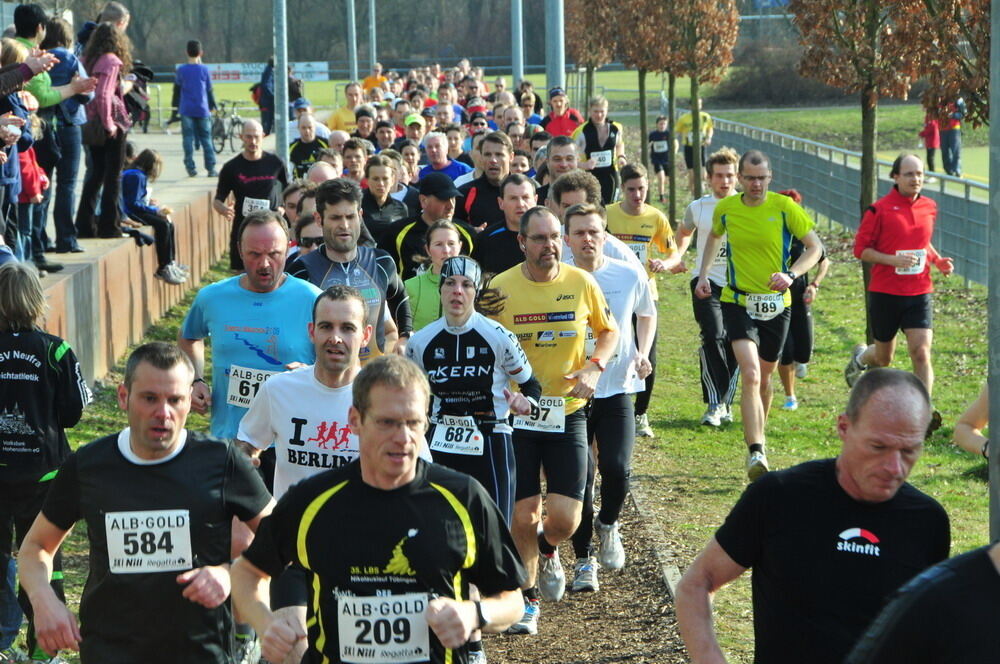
x=135, y=197
x=10, y=173
x=70, y=111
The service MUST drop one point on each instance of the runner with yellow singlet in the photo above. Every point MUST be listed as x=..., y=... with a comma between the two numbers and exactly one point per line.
x=643, y=227
x=758, y=226
x=549, y=306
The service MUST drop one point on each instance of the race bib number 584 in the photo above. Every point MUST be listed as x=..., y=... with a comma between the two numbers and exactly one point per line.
x=148, y=541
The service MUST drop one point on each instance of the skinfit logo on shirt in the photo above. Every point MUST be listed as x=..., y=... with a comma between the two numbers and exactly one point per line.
x=859, y=540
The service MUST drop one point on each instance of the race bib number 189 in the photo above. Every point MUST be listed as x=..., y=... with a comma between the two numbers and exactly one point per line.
x=765, y=306
x=389, y=629
x=148, y=541
x=549, y=416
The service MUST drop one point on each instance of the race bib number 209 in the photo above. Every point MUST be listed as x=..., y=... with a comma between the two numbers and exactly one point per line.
x=389, y=629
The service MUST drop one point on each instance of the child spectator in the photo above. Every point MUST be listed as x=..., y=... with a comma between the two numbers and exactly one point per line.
x=34, y=182
x=136, y=204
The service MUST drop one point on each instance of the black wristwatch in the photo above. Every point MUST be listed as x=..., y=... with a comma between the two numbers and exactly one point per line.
x=792, y=275
x=198, y=380
x=483, y=620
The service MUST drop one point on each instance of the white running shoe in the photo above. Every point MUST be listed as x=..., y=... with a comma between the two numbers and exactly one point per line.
x=854, y=368
x=551, y=577
x=642, y=427
x=713, y=415
x=612, y=553
x=756, y=465
x=791, y=403
x=727, y=414
x=528, y=624
x=585, y=576
x=801, y=370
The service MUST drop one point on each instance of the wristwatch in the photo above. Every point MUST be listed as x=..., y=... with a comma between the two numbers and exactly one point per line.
x=792, y=275
x=198, y=380
x=483, y=619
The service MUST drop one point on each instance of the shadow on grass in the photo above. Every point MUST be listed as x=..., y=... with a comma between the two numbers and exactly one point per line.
x=980, y=472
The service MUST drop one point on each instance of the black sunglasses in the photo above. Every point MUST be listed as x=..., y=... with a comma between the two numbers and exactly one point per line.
x=311, y=241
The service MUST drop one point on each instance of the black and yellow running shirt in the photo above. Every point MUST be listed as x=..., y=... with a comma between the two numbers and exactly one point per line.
x=375, y=558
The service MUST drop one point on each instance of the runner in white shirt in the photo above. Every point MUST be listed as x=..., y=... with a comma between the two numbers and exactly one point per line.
x=719, y=371
x=611, y=414
x=303, y=413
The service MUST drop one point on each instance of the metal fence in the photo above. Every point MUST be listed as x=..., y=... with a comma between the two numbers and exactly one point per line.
x=829, y=180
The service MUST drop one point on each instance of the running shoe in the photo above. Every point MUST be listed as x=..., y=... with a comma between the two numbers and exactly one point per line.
x=528, y=624
x=551, y=577
x=169, y=275
x=612, y=553
x=585, y=576
x=791, y=403
x=801, y=369
x=642, y=427
x=727, y=414
x=756, y=465
x=854, y=368
x=247, y=649
x=477, y=657
x=713, y=415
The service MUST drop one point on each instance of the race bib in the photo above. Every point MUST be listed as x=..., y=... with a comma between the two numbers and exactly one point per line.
x=244, y=384
x=603, y=158
x=720, y=255
x=641, y=250
x=148, y=541
x=457, y=435
x=590, y=343
x=253, y=204
x=548, y=416
x=661, y=146
x=921, y=265
x=390, y=629
x=765, y=306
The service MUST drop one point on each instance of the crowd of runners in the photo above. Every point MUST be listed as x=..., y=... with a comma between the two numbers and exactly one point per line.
x=439, y=332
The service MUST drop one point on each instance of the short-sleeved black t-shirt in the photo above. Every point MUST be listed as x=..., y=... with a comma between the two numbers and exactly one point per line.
x=823, y=563
x=146, y=524
x=261, y=180
x=950, y=614
x=436, y=535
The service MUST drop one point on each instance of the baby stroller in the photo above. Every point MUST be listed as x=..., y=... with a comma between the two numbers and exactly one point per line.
x=137, y=100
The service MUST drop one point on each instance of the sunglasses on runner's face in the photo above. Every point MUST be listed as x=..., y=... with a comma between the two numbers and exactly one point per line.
x=311, y=241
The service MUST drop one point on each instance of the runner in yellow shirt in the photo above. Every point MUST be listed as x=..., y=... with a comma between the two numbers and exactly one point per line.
x=685, y=127
x=343, y=118
x=549, y=305
x=758, y=226
x=643, y=227
x=375, y=79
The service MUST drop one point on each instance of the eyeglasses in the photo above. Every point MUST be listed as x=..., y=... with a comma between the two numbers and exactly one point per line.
x=478, y=124
x=310, y=241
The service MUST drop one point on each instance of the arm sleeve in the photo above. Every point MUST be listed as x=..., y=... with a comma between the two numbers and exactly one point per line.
x=72, y=393
x=644, y=303
x=255, y=426
x=797, y=219
x=741, y=536
x=514, y=361
x=195, y=326
x=868, y=231
x=209, y=91
x=245, y=493
x=664, y=238
x=689, y=223
x=107, y=84
x=134, y=193
x=531, y=388
x=298, y=269
x=62, y=502
x=41, y=87
x=907, y=631
x=273, y=547
x=12, y=78
x=225, y=185
x=396, y=297
x=719, y=219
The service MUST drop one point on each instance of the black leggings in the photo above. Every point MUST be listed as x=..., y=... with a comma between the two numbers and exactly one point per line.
x=611, y=425
x=163, y=232
x=104, y=170
x=799, y=341
x=642, y=398
x=495, y=469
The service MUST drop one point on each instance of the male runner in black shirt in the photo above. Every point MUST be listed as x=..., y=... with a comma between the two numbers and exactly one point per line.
x=390, y=542
x=158, y=501
x=828, y=540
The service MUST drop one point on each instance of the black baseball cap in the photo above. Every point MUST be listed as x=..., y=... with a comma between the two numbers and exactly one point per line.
x=438, y=185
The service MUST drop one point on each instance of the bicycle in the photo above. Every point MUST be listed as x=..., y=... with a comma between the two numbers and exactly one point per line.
x=226, y=124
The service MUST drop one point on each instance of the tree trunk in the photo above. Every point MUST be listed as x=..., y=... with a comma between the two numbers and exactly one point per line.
x=672, y=167
x=696, y=164
x=643, y=120
x=869, y=179
x=589, y=84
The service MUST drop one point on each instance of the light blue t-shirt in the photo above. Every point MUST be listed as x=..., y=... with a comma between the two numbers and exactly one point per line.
x=254, y=335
